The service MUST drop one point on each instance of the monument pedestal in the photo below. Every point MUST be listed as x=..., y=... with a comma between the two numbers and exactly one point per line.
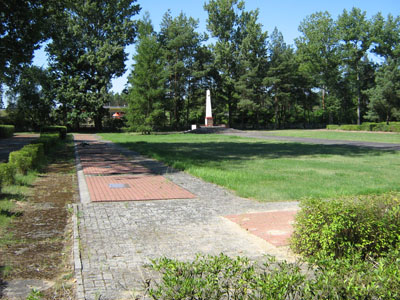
x=209, y=121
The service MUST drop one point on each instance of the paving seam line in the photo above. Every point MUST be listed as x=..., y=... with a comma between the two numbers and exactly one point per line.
x=83, y=188
x=80, y=290
x=84, y=198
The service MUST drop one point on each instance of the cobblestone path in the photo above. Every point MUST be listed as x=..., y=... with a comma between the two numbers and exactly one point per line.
x=117, y=239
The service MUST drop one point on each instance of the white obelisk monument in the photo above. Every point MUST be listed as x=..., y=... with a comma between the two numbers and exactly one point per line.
x=209, y=118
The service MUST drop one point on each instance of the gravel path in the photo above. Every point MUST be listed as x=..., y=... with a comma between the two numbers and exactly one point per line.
x=261, y=135
x=117, y=239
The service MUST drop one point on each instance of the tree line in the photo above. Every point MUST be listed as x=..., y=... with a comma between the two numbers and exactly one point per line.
x=343, y=70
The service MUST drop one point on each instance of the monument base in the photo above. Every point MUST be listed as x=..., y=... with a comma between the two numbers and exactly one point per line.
x=209, y=121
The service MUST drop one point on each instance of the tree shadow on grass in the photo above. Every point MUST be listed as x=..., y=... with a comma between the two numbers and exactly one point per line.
x=198, y=154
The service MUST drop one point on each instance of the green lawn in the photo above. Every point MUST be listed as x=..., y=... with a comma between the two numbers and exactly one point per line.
x=339, y=135
x=272, y=171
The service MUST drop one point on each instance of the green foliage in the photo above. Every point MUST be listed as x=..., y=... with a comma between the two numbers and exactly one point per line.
x=48, y=140
x=6, y=131
x=86, y=52
x=368, y=226
x=392, y=127
x=22, y=161
x=385, y=96
x=222, y=277
x=35, y=295
x=146, y=99
x=7, y=174
x=332, y=127
x=31, y=99
x=28, y=158
x=62, y=130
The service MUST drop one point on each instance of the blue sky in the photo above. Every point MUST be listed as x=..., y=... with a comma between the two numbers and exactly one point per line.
x=286, y=15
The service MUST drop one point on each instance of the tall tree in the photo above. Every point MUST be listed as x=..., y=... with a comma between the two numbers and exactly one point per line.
x=252, y=69
x=281, y=76
x=386, y=36
x=355, y=35
x=180, y=43
x=385, y=96
x=317, y=49
x=32, y=99
x=22, y=28
x=146, y=95
x=225, y=24
x=87, y=51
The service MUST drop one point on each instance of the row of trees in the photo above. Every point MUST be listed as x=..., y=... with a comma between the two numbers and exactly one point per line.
x=256, y=79
x=86, y=48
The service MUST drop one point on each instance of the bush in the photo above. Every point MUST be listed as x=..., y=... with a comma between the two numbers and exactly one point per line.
x=28, y=158
x=332, y=127
x=62, y=130
x=222, y=277
x=330, y=229
x=6, y=131
x=350, y=127
x=7, y=174
x=22, y=161
x=48, y=140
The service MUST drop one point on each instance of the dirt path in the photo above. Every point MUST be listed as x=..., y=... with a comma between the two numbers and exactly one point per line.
x=39, y=252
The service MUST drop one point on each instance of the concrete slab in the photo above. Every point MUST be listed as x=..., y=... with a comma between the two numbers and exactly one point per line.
x=275, y=227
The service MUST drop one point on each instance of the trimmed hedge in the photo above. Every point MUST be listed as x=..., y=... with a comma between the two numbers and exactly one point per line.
x=392, y=127
x=62, y=130
x=368, y=226
x=7, y=174
x=6, y=131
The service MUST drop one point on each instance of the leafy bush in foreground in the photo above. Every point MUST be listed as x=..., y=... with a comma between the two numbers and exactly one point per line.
x=336, y=228
x=222, y=277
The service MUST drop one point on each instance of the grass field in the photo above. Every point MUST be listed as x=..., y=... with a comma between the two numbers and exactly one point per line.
x=339, y=135
x=272, y=171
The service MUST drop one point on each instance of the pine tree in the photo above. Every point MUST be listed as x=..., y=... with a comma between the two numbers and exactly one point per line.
x=146, y=98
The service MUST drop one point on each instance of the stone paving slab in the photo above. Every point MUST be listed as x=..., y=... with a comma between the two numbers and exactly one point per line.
x=275, y=227
x=129, y=188
x=109, y=168
x=118, y=239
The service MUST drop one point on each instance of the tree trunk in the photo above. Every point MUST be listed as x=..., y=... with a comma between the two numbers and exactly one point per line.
x=276, y=111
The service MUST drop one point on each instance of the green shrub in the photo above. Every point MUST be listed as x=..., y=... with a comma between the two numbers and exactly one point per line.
x=222, y=277
x=62, y=130
x=36, y=151
x=22, y=161
x=48, y=140
x=6, y=131
x=366, y=126
x=350, y=127
x=332, y=127
x=7, y=174
x=367, y=225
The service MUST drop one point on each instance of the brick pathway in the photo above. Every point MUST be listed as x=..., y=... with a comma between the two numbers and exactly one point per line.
x=117, y=239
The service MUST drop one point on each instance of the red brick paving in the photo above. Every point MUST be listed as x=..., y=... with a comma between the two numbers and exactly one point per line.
x=140, y=188
x=274, y=227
